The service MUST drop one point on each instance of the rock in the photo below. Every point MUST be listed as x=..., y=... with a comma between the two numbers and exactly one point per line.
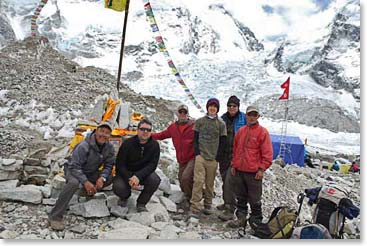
x=24, y=193
x=9, y=208
x=8, y=175
x=7, y=162
x=168, y=204
x=144, y=218
x=119, y=211
x=32, y=162
x=124, y=229
x=349, y=227
x=168, y=232
x=165, y=185
x=9, y=184
x=69, y=235
x=189, y=235
x=112, y=201
x=177, y=197
x=28, y=236
x=46, y=190
x=50, y=201
x=159, y=225
x=36, y=170
x=58, y=182
x=8, y=234
x=78, y=229
x=125, y=233
x=90, y=209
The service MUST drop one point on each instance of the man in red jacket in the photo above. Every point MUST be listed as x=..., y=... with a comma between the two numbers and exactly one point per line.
x=252, y=155
x=182, y=134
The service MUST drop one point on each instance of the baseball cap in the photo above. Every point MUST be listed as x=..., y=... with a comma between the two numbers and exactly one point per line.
x=252, y=109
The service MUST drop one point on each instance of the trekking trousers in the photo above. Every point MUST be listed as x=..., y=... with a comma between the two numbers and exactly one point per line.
x=122, y=189
x=228, y=195
x=186, y=177
x=204, y=174
x=247, y=190
x=71, y=186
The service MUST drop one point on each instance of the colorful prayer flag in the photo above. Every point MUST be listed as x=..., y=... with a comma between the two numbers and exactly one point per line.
x=118, y=5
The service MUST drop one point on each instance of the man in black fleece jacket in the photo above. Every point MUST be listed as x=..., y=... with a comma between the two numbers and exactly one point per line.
x=136, y=162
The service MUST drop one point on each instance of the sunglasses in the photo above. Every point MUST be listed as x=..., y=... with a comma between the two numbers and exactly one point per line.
x=254, y=114
x=143, y=129
x=182, y=112
x=232, y=106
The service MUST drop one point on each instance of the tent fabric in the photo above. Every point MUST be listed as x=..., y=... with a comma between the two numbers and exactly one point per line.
x=294, y=151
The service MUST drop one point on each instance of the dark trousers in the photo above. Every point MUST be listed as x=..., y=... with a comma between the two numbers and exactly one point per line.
x=247, y=190
x=71, y=186
x=122, y=189
x=228, y=195
x=186, y=177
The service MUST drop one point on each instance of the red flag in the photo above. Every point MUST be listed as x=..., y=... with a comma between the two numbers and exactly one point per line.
x=285, y=86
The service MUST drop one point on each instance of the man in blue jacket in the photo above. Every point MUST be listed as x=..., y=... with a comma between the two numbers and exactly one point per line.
x=234, y=120
x=136, y=163
x=82, y=171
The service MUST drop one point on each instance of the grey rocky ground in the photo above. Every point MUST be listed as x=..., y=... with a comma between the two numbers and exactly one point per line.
x=46, y=94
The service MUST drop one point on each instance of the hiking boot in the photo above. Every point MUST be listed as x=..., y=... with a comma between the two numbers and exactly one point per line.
x=122, y=203
x=237, y=223
x=141, y=208
x=255, y=221
x=57, y=225
x=226, y=215
x=195, y=215
x=208, y=210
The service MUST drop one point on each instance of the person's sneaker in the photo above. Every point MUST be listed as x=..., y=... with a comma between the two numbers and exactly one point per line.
x=237, y=223
x=208, y=210
x=122, y=203
x=57, y=225
x=141, y=208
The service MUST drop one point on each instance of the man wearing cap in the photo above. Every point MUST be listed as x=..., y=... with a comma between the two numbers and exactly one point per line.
x=182, y=134
x=82, y=171
x=234, y=119
x=209, y=138
x=136, y=163
x=252, y=155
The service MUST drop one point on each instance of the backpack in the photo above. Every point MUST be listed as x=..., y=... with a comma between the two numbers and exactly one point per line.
x=327, y=211
x=311, y=231
x=280, y=224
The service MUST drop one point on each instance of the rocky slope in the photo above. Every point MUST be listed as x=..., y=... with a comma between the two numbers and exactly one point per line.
x=42, y=95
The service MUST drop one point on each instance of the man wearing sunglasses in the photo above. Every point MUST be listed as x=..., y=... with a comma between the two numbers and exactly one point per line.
x=234, y=119
x=136, y=163
x=252, y=155
x=182, y=133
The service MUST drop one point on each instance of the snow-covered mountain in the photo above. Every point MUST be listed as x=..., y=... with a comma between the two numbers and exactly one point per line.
x=220, y=48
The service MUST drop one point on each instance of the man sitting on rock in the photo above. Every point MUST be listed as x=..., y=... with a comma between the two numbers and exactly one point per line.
x=136, y=163
x=82, y=171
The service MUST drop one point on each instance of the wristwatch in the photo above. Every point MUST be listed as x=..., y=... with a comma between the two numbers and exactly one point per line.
x=103, y=178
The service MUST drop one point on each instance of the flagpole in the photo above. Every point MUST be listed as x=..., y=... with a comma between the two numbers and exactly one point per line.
x=122, y=45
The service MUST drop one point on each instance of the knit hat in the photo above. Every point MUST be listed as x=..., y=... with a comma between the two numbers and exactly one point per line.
x=212, y=101
x=233, y=100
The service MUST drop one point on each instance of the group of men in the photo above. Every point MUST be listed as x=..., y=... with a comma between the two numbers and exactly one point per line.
x=235, y=140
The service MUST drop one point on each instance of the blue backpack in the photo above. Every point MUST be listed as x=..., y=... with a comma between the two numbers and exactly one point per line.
x=311, y=231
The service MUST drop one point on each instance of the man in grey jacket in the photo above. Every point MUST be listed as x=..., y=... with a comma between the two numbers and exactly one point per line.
x=82, y=171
